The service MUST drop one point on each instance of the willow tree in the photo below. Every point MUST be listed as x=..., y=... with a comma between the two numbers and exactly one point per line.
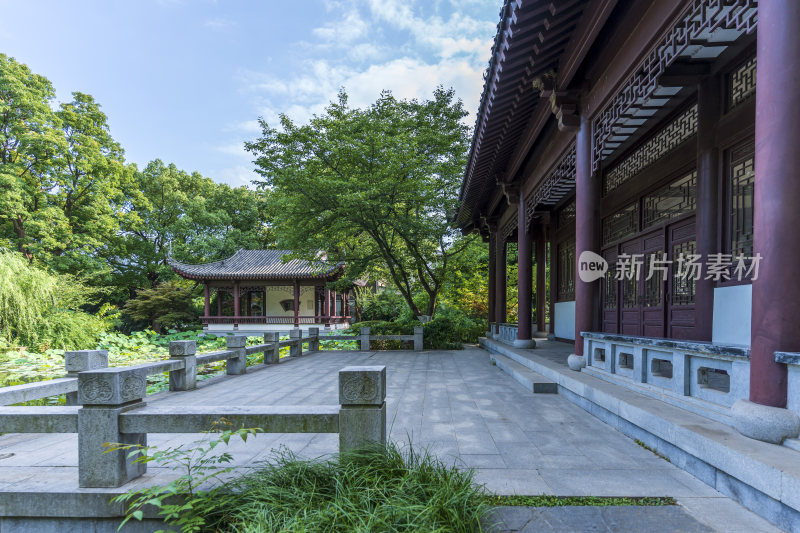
x=375, y=187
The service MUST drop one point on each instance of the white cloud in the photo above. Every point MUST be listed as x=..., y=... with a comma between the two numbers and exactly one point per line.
x=217, y=24
x=349, y=28
x=237, y=176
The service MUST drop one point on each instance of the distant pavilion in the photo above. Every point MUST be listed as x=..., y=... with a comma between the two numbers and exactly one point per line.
x=255, y=290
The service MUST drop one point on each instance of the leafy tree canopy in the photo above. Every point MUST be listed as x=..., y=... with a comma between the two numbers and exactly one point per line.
x=374, y=187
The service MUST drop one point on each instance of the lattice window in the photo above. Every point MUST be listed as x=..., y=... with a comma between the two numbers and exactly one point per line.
x=630, y=293
x=676, y=199
x=566, y=215
x=610, y=288
x=621, y=224
x=738, y=16
x=653, y=287
x=664, y=141
x=742, y=83
x=683, y=286
x=566, y=271
x=742, y=180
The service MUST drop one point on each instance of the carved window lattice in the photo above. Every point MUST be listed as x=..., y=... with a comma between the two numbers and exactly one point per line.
x=610, y=288
x=555, y=186
x=653, y=287
x=621, y=224
x=566, y=215
x=742, y=181
x=683, y=286
x=676, y=199
x=566, y=271
x=630, y=293
x=663, y=142
x=742, y=83
x=701, y=17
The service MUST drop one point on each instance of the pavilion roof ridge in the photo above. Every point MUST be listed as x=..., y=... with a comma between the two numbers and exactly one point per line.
x=256, y=264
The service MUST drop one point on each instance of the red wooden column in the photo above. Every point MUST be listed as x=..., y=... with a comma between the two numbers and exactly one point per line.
x=219, y=302
x=236, y=306
x=207, y=295
x=524, y=279
x=587, y=203
x=326, y=306
x=296, y=303
x=776, y=290
x=709, y=109
x=499, y=282
x=492, y=279
x=541, y=282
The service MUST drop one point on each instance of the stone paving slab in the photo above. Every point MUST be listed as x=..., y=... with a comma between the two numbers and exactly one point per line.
x=666, y=519
x=453, y=403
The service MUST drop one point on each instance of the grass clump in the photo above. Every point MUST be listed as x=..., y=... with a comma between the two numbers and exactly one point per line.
x=372, y=489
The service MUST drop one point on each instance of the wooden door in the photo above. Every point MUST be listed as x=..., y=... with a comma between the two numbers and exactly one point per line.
x=630, y=309
x=652, y=308
x=610, y=293
x=681, y=296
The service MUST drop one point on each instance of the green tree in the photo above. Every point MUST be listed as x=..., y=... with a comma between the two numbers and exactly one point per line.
x=29, y=140
x=61, y=173
x=374, y=187
x=187, y=216
x=169, y=304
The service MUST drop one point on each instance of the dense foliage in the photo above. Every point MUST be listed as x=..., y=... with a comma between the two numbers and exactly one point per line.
x=69, y=203
x=374, y=187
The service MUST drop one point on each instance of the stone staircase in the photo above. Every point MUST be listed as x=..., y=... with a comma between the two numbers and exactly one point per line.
x=534, y=382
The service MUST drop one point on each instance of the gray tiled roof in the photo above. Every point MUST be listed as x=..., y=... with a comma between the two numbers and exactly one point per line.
x=255, y=264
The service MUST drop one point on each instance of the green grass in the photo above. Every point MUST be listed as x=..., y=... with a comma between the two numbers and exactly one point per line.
x=365, y=491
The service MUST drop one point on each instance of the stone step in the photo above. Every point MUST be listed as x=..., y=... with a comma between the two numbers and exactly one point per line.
x=536, y=383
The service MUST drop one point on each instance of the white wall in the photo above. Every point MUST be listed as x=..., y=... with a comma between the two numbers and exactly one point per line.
x=565, y=320
x=276, y=294
x=732, y=311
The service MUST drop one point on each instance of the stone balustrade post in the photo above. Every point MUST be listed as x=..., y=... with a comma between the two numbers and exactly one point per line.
x=364, y=339
x=362, y=417
x=313, y=344
x=236, y=363
x=186, y=377
x=272, y=354
x=418, y=339
x=296, y=348
x=104, y=395
x=80, y=361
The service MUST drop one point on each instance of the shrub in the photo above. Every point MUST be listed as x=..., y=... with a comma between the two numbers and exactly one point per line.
x=450, y=328
x=385, y=306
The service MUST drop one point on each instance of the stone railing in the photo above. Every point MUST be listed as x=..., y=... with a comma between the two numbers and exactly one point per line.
x=111, y=409
x=366, y=337
x=183, y=362
x=503, y=332
x=792, y=362
x=683, y=371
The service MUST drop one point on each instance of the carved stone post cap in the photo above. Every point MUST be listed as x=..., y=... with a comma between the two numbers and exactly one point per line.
x=362, y=385
x=236, y=341
x=271, y=336
x=181, y=348
x=313, y=331
x=294, y=333
x=82, y=360
x=112, y=386
x=364, y=331
x=418, y=330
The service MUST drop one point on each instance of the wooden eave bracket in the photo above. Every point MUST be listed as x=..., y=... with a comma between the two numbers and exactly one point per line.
x=565, y=105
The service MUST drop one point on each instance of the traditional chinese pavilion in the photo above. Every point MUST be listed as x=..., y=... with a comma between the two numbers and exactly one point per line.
x=650, y=129
x=256, y=290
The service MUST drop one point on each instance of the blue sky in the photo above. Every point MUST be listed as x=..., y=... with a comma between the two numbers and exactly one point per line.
x=186, y=80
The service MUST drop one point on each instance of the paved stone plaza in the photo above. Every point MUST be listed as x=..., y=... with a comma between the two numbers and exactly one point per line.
x=456, y=404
